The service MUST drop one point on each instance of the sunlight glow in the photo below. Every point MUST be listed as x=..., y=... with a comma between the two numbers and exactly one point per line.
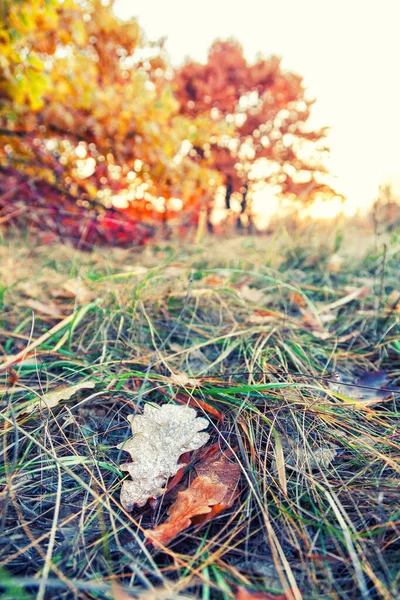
x=354, y=80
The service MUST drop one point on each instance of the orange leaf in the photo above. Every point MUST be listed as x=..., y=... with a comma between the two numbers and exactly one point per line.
x=198, y=499
x=214, y=281
x=214, y=490
x=12, y=376
x=296, y=298
x=183, y=460
x=186, y=399
x=221, y=469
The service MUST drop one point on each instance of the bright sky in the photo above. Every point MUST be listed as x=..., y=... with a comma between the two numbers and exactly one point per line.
x=347, y=50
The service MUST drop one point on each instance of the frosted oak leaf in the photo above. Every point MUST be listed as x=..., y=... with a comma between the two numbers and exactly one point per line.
x=159, y=437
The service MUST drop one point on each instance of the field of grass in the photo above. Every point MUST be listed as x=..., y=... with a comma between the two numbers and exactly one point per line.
x=277, y=333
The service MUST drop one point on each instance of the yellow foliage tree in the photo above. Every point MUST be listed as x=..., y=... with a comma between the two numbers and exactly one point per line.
x=86, y=104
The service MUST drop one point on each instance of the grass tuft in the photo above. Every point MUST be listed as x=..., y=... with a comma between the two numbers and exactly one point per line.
x=266, y=328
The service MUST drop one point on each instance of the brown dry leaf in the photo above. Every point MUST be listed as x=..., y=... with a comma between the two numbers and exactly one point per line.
x=220, y=468
x=51, y=399
x=74, y=288
x=32, y=290
x=198, y=499
x=369, y=389
x=213, y=490
x=44, y=308
x=183, y=380
x=12, y=377
x=159, y=437
x=251, y=294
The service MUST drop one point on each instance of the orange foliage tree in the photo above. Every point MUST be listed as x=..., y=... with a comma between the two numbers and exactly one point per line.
x=93, y=119
x=267, y=110
x=85, y=105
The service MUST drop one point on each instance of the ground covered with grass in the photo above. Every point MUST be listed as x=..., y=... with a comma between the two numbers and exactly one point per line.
x=289, y=346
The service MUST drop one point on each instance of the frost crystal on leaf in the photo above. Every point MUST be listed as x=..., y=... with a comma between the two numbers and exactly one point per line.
x=159, y=437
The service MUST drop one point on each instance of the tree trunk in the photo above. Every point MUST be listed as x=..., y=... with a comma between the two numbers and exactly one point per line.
x=243, y=205
x=228, y=192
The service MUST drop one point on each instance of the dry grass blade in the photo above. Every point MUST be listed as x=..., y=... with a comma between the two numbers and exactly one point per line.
x=35, y=344
x=53, y=398
x=262, y=386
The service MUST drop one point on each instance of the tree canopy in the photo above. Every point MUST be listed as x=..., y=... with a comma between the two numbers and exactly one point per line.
x=94, y=118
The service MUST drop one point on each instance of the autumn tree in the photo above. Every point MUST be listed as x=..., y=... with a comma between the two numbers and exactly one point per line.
x=267, y=111
x=85, y=104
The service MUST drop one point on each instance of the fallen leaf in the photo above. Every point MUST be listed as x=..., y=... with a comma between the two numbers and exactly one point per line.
x=369, y=389
x=220, y=468
x=12, y=377
x=159, y=437
x=183, y=380
x=74, y=288
x=212, y=491
x=198, y=499
x=184, y=461
x=296, y=298
x=30, y=289
x=52, y=399
x=196, y=403
x=44, y=308
x=252, y=294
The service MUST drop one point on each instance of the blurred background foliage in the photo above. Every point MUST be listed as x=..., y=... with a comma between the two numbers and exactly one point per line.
x=101, y=139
